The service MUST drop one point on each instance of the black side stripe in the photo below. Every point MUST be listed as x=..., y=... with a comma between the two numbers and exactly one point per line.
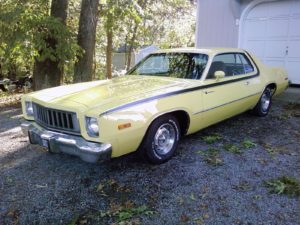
x=176, y=93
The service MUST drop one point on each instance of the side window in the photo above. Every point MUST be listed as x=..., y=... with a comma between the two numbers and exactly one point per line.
x=230, y=63
x=247, y=65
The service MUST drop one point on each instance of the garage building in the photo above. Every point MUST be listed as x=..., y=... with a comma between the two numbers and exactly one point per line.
x=268, y=28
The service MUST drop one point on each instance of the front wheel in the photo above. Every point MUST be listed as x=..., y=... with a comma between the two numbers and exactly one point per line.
x=263, y=106
x=161, y=139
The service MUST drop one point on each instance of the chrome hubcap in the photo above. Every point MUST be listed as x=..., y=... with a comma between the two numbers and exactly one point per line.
x=265, y=102
x=164, y=139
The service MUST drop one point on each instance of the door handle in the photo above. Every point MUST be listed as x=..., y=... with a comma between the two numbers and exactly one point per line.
x=208, y=92
x=247, y=83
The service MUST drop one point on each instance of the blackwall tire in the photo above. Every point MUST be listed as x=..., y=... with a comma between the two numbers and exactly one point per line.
x=161, y=139
x=263, y=106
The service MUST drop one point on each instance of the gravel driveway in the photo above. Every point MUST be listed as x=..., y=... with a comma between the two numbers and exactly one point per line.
x=214, y=180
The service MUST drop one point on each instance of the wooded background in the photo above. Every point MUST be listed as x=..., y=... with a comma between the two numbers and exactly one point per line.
x=64, y=41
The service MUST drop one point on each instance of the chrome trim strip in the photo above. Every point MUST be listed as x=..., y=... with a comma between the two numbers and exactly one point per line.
x=227, y=103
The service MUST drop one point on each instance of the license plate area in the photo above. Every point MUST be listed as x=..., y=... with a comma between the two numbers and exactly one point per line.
x=45, y=143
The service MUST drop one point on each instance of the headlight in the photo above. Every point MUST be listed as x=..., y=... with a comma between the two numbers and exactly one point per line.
x=92, y=126
x=29, y=108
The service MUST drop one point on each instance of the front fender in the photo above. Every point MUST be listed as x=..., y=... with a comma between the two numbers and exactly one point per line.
x=139, y=117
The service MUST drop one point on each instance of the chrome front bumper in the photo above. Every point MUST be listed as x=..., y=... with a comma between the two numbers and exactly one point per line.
x=65, y=143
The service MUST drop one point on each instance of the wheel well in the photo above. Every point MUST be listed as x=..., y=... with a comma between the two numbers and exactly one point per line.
x=183, y=120
x=273, y=87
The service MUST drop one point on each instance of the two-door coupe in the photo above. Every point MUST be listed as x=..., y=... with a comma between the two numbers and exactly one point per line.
x=169, y=94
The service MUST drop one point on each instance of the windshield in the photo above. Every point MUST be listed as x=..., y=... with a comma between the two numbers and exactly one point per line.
x=179, y=65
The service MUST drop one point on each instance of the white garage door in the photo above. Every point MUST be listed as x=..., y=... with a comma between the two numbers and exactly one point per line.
x=271, y=30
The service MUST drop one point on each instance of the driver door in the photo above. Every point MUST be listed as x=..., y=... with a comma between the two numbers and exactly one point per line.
x=227, y=96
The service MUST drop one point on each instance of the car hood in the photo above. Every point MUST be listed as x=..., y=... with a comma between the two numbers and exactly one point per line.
x=107, y=94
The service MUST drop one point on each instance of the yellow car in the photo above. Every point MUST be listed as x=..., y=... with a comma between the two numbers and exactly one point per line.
x=169, y=94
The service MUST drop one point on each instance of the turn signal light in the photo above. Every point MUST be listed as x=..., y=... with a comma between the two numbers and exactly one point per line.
x=123, y=126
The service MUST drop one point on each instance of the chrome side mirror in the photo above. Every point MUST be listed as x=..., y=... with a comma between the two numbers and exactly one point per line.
x=219, y=74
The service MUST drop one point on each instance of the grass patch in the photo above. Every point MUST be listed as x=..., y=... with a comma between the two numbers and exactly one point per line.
x=284, y=116
x=75, y=220
x=284, y=185
x=212, y=156
x=292, y=106
x=128, y=211
x=248, y=144
x=210, y=139
x=270, y=149
x=236, y=149
x=291, y=110
x=110, y=186
x=126, y=214
x=243, y=186
x=232, y=148
x=273, y=150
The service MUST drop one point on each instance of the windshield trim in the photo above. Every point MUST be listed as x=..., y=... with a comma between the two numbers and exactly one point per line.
x=168, y=53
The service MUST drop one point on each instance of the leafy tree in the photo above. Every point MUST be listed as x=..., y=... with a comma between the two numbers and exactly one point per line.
x=17, y=19
x=168, y=24
x=29, y=35
x=114, y=13
x=48, y=69
x=145, y=22
x=35, y=35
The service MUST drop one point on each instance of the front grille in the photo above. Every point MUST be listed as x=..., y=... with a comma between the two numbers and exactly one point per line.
x=56, y=119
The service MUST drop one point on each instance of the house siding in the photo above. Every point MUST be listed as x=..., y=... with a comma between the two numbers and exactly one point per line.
x=218, y=22
x=268, y=28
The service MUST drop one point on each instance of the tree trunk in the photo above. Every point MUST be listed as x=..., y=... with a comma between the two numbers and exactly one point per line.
x=86, y=40
x=1, y=73
x=131, y=43
x=109, y=45
x=48, y=73
x=109, y=35
x=12, y=71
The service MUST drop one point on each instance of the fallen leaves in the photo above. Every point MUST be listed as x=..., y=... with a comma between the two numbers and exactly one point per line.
x=124, y=212
x=13, y=214
x=110, y=186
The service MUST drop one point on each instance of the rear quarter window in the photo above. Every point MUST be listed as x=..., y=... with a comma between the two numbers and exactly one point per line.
x=247, y=65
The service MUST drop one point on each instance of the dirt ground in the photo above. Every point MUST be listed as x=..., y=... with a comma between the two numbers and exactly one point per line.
x=214, y=178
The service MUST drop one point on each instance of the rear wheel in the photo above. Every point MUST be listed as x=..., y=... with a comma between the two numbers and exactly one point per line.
x=263, y=106
x=161, y=139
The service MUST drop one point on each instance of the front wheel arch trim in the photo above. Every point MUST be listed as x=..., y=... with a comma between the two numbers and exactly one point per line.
x=181, y=115
x=175, y=113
